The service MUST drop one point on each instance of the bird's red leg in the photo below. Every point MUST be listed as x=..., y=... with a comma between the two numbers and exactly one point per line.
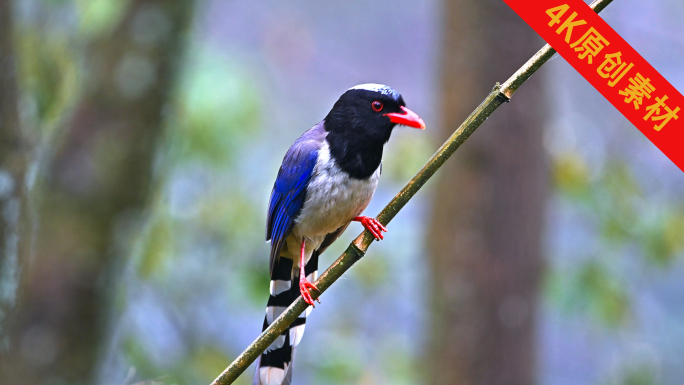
x=373, y=225
x=304, y=284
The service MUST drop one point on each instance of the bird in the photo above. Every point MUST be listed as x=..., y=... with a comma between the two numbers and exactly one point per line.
x=326, y=180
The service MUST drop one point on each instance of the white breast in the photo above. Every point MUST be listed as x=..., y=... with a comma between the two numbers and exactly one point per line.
x=333, y=198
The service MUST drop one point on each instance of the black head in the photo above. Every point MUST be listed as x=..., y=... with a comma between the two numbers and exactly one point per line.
x=361, y=122
x=370, y=111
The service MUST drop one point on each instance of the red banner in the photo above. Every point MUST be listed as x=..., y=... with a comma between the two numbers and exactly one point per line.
x=613, y=67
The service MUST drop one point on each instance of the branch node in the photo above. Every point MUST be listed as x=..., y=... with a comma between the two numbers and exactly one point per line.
x=504, y=98
x=357, y=250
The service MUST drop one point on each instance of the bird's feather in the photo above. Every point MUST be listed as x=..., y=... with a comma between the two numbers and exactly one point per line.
x=274, y=366
x=289, y=190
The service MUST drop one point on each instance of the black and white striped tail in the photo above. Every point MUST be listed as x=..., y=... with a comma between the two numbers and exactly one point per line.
x=274, y=367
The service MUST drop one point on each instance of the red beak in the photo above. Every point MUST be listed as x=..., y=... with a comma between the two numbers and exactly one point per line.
x=407, y=118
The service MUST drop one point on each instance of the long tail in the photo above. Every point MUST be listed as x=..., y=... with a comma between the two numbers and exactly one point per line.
x=274, y=366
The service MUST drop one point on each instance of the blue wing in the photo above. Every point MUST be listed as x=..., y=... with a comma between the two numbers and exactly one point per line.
x=289, y=190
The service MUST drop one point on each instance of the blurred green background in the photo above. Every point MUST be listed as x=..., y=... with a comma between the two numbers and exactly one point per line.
x=139, y=141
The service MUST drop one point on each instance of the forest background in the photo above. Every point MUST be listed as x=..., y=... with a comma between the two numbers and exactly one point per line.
x=139, y=141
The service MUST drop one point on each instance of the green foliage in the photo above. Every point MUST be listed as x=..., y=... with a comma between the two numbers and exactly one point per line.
x=157, y=246
x=611, y=203
x=406, y=154
x=215, y=114
x=665, y=239
x=200, y=366
x=571, y=175
x=145, y=368
x=235, y=218
x=592, y=288
x=337, y=366
x=206, y=363
x=388, y=361
x=614, y=202
x=606, y=296
x=373, y=273
x=219, y=108
x=616, y=196
x=639, y=373
x=100, y=17
x=254, y=279
x=235, y=215
x=399, y=364
x=48, y=76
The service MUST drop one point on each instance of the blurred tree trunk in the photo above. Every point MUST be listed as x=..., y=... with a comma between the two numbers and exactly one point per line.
x=14, y=152
x=488, y=211
x=99, y=179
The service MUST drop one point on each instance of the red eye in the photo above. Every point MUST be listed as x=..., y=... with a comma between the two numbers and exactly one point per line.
x=377, y=106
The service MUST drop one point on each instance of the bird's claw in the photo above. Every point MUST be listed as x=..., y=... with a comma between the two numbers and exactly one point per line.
x=304, y=286
x=373, y=226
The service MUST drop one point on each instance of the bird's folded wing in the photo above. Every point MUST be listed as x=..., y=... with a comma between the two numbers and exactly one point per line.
x=289, y=190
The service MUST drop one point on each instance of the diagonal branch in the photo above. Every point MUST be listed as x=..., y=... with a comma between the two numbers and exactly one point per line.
x=357, y=249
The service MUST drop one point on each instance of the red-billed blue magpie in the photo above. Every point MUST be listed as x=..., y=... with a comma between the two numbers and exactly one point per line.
x=326, y=180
